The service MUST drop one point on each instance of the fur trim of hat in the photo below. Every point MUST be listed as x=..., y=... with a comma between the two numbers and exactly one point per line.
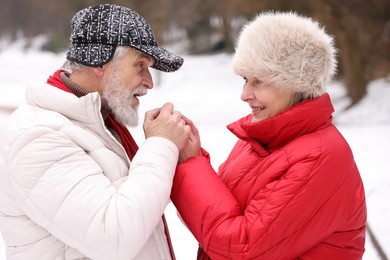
x=286, y=50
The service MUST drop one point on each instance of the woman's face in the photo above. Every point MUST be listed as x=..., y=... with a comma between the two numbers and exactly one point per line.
x=265, y=101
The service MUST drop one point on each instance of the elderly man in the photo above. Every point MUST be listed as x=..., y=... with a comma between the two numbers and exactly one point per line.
x=74, y=184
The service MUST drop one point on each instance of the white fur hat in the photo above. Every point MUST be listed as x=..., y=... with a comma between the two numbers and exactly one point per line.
x=286, y=50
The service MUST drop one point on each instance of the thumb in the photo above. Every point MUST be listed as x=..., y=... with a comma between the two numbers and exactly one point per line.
x=167, y=109
x=152, y=114
x=194, y=130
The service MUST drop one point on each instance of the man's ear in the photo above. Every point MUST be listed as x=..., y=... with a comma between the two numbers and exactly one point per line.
x=99, y=71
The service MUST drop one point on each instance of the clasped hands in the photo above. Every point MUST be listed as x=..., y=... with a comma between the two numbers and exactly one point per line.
x=172, y=125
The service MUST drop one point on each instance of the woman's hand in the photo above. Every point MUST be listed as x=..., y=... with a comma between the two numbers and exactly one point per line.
x=192, y=148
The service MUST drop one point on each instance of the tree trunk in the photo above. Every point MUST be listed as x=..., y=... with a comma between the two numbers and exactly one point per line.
x=227, y=34
x=351, y=59
x=351, y=56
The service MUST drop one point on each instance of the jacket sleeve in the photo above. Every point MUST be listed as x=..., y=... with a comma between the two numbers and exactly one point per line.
x=63, y=189
x=283, y=218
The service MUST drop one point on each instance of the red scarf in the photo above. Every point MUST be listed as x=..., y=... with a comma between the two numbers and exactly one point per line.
x=127, y=140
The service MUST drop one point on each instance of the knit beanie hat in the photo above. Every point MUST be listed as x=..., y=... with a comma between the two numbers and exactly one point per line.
x=287, y=51
x=97, y=30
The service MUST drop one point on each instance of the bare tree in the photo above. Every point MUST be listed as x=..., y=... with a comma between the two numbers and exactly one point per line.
x=361, y=28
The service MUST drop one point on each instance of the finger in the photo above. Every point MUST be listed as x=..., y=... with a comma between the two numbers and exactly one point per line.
x=182, y=122
x=189, y=122
x=152, y=114
x=187, y=129
x=177, y=115
x=192, y=136
x=167, y=109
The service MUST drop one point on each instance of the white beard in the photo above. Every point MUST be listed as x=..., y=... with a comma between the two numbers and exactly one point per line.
x=119, y=99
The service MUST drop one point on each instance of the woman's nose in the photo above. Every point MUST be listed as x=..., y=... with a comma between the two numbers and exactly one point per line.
x=246, y=94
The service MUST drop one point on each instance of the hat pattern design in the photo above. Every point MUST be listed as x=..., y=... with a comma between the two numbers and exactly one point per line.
x=97, y=30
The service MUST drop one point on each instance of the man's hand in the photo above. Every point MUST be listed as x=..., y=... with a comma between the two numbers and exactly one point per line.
x=167, y=123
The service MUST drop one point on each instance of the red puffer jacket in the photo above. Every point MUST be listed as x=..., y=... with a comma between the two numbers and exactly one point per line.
x=290, y=189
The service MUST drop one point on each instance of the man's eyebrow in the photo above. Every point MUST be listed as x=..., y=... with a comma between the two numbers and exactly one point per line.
x=146, y=57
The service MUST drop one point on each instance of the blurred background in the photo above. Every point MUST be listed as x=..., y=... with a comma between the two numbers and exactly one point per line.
x=205, y=32
x=361, y=28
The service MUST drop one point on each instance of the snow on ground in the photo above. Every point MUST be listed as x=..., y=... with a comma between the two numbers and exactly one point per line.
x=207, y=91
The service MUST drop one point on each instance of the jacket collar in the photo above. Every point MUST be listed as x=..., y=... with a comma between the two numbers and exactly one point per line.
x=80, y=92
x=273, y=133
x=85, y=109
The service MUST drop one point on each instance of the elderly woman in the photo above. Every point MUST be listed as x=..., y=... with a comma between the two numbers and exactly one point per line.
x=290, y=188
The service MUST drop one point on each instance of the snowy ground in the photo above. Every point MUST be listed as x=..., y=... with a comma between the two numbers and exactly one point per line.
x=207, y=91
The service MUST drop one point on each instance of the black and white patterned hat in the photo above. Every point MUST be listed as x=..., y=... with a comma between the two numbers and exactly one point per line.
x=97, y=30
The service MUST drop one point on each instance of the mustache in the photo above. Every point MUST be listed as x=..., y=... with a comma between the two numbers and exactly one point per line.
x=140, y=90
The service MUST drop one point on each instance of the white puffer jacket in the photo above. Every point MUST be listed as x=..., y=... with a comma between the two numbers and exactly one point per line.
x=68, y=190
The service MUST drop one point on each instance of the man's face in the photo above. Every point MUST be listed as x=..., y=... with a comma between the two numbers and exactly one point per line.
x=127, y=78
